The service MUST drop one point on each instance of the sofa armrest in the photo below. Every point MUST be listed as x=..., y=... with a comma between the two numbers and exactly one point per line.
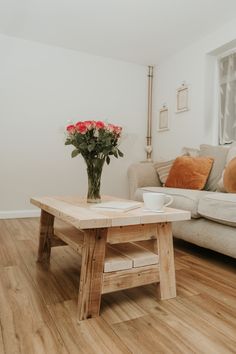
x=140, y=175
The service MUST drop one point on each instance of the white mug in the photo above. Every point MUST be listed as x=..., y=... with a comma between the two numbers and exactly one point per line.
x=156, y=201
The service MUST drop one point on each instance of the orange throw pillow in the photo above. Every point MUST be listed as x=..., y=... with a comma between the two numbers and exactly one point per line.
x=230, y=176
x=189, y=172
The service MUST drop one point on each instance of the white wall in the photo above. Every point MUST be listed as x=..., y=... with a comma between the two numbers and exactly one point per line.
x=197, y=66
x=41, y=88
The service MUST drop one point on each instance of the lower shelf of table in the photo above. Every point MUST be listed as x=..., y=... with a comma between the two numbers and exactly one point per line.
x=126, y=265
x=130, y=278
x=119, y=256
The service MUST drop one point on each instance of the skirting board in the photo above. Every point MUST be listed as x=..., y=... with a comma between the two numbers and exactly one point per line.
x=17, y=214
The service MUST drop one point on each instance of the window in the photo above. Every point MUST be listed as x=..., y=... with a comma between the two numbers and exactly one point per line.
x=227, y=82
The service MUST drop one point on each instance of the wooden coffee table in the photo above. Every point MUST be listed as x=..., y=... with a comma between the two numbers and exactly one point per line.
x=95, y=234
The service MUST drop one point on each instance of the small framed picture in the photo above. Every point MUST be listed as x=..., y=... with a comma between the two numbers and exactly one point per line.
x=182, y=99
x=163, y=122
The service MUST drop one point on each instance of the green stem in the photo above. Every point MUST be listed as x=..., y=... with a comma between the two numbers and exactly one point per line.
x=94, y=171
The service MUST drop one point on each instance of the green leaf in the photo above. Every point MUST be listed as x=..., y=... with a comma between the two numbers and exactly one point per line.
x=108, y=160
x=74, y=153
x=91, y=146
x=120, y=153
x=67, y=142
x=83, y=146
x=115, y=154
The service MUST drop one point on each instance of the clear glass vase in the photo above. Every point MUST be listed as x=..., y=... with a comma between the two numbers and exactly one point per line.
x=94, y=172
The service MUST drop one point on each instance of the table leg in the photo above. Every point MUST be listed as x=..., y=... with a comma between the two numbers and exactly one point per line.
x=45, y=234
x=166, y=259
x=91, y=276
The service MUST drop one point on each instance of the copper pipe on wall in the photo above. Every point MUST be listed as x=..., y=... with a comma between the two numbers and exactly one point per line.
x=149, y=116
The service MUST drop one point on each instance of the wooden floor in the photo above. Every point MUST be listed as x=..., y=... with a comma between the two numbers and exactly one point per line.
x=38, y=305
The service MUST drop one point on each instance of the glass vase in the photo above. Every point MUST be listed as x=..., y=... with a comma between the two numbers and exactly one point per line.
x=94, y=172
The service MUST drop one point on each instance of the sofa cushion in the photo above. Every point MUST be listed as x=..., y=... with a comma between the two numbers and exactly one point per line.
x=208, y=234
x=230, y=156
x=230, y=177
x=163, y=169
x=220, y=207
x=219, y=154
x=189, y=172
x=185, y=199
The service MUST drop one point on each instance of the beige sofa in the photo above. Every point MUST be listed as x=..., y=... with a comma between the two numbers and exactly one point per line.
x=213, y=214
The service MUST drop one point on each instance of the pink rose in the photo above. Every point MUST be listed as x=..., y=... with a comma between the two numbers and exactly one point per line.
x=81, y=128
x=110, y=128
x=100, y=124
x=89, y=124
x=70, y=129
x=114, y=129
x=117, y=129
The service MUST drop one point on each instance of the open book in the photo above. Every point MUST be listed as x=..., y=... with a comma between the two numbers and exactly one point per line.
x=117, y=205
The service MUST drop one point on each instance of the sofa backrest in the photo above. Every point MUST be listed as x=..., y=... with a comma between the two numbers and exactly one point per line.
x=218, y=153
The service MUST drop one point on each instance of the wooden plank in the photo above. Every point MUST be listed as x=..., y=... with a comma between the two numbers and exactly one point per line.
x=26, y=324
x=187, y=324
x=140, y=256
x=168, y=215
x=90, y=288
x=130, y=278
x=71, y=236
x=115, y=260
x=78, y=215
x=118, y=307
x=57, y=282
x=203, y=333
x=147, y=244
x=150, y=245
x=86, y=337
x=81, y=215
x=166, y=261
x=56, y=241
x=8, y=251
x=150, y=335
x=45, y=233
x=131, y=233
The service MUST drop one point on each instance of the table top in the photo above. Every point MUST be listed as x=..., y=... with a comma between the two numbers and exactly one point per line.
x=76, y=211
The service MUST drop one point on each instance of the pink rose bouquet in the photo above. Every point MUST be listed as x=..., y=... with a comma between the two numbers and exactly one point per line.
x=96, y=141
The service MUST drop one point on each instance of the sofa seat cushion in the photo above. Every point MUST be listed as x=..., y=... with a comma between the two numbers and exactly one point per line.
x=220, y=207
x=185, y=199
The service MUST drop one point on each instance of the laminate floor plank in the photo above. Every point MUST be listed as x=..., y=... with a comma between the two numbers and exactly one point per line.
x=118, y=307
x=51, y=281
x=205, y=256
x=8, y=251
x=210, y=337
x=145, y=297
x=149, y=334
x=38, y=304
x=22, y=229
x=27, y=326
x=208, y=286
x=2, y=350
x=93, y=336
x=205, y=268
x=214, y=312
